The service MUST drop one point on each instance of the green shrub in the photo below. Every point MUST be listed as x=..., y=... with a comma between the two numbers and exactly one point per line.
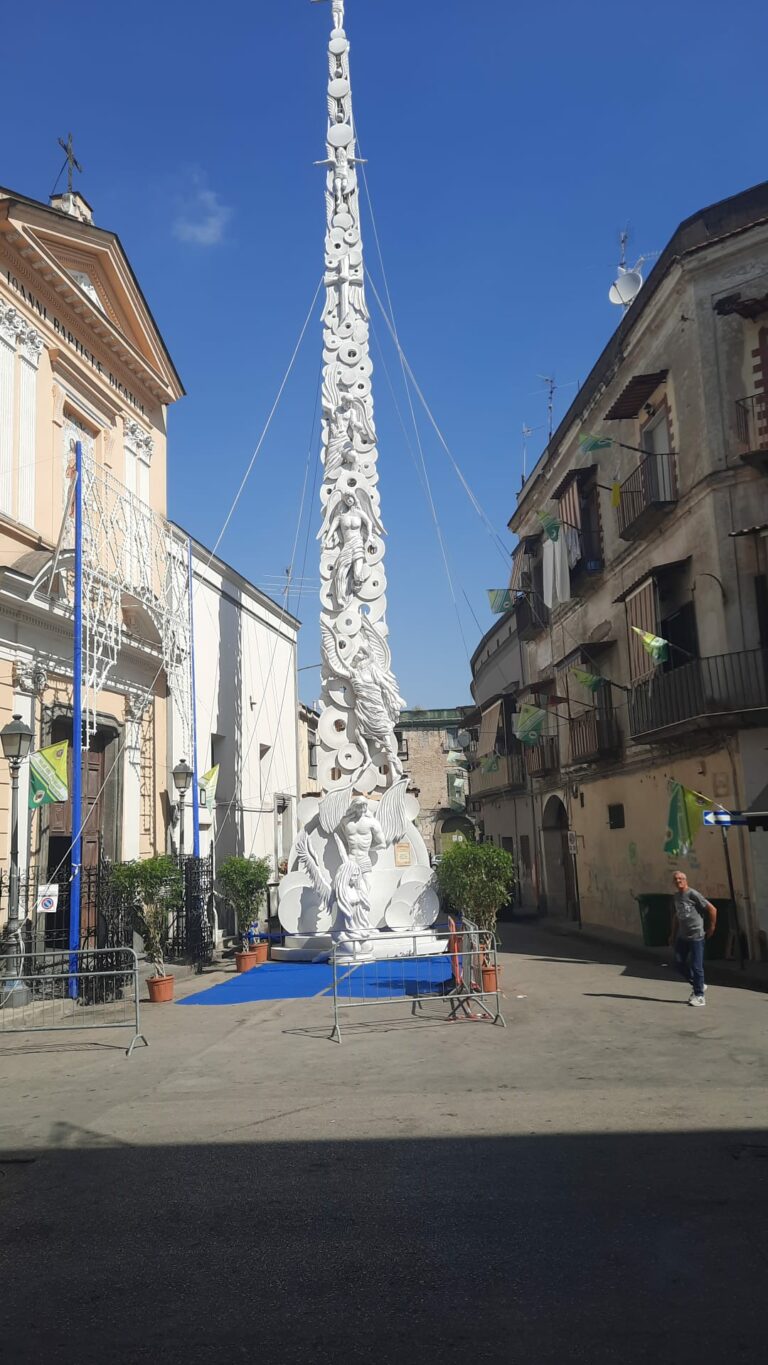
x=155, y=886
x=244, y=882
x=477, y=880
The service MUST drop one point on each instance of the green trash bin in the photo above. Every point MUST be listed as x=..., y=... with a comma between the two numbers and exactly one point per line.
x=656, y=919
x=716, y=947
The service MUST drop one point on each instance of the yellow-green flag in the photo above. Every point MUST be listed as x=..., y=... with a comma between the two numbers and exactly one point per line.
x=615, y=494
x=48, y=775
x=653, y=645
x=208, y=783
x=685, y=819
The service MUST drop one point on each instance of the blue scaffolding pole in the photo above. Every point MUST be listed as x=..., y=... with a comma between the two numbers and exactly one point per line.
x=193, y=713
x=77, y=731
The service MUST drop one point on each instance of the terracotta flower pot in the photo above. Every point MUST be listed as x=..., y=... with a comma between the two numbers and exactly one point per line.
x=490, y=980
x=160, y=989
x=254, y=957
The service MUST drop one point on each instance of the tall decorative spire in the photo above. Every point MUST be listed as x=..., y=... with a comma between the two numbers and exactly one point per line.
x=361, y=702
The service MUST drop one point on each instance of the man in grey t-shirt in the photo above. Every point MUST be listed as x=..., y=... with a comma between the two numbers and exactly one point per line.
x=693, y=921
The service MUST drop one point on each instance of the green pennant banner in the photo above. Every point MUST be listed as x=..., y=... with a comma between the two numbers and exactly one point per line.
x=529, y=723
x=685, y=819
x=653, y=645
x=501, y=600
x=48, y=775
x=590, y=444
x=551, y=524
x=592, y=681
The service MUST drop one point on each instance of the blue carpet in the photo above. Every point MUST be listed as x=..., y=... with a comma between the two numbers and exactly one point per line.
x=272, y=981
x=406, y=976
x=304, y=980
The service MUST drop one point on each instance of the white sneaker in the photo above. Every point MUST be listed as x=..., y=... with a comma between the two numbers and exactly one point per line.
x=697, y=1000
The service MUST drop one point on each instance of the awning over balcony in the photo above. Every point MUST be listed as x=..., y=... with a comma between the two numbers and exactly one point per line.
x=654, y=572
x=488, y=730
x=637, y=392
x=760, y=530
x=748, y=306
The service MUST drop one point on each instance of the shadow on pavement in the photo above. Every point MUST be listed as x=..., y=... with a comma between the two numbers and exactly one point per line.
x=634, y=1248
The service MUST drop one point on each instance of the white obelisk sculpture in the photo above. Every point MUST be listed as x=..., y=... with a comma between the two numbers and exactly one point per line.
x=359, y=864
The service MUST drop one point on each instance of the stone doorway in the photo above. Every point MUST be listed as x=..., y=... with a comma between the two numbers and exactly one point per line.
x=559, y=872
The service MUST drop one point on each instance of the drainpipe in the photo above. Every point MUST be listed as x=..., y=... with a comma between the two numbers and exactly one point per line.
x=751, y=925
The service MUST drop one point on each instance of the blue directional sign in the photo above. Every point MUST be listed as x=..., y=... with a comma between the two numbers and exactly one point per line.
x=724, y=817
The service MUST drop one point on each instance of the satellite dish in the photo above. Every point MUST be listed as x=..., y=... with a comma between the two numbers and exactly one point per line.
x=625, y=287
x=464, y=739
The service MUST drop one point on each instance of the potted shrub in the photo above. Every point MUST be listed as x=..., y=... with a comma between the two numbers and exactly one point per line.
x=476, y=881
x=157, y=889
x=244, y=882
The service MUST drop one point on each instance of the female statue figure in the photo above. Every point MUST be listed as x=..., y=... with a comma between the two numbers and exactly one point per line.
x=377, y=703
x=350, y=521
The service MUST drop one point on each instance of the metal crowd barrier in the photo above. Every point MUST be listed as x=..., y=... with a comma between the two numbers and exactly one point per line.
x=462, y=976
x=55, y=991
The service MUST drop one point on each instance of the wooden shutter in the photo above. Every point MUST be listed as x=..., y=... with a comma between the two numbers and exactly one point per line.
x=570, y=506
x=642, y=611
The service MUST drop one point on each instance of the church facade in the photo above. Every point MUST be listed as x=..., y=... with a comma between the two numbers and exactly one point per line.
x=82, y=360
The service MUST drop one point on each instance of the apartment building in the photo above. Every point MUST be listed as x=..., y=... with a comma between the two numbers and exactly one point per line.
x=433, y=747
x=656, y=485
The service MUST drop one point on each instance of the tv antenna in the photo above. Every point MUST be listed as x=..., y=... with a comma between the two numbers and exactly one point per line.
x=629, y=281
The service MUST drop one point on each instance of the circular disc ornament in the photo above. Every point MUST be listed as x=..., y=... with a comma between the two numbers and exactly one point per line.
x=339, y=88
x=343, y=220
x=368, y=780
x=412, y=806
x=340, y=135
x=338, y=44
x=348, y=623
x=373, y=587
x=350, y=353
x=349, y=758
x=374, y=550
x=332, y=728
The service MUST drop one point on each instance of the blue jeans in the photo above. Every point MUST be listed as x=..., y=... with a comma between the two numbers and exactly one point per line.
x=689, y=960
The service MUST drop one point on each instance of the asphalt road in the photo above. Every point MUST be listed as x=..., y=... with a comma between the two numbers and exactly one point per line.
x=588, y=1184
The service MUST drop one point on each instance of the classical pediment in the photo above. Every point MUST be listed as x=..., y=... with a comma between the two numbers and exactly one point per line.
x=83, y=270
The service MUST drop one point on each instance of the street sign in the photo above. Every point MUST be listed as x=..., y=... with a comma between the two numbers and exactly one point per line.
x=725, y=817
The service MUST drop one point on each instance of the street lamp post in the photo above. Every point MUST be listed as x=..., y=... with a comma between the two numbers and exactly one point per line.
x=182, y=777
x=16, y=738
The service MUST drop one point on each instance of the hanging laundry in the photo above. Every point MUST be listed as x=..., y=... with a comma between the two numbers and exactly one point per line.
x=653, y=645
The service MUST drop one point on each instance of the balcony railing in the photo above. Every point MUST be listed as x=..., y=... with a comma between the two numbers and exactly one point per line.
x=593, y=735
x=530, y=618
x=648, y=492
x=725, y=686
x=752, y=428
x=544, y=757
x=509, y=773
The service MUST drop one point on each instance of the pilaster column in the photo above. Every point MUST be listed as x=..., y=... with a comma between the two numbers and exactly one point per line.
x=31, y=346
x=9, y=326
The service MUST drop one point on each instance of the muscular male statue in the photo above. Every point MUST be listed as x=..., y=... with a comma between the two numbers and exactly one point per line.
x=361, y=833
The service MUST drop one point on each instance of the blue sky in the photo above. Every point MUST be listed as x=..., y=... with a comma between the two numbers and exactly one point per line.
x=508, y=144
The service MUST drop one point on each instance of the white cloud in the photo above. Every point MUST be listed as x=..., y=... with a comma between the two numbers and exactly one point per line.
x=203, y=218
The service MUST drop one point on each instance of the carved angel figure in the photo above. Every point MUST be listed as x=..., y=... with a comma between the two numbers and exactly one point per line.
x=349, y=434
x=377, y=703
x=337, y=8
x=350, y=520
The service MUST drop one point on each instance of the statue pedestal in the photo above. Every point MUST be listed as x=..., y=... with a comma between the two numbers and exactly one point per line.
x=314, y=947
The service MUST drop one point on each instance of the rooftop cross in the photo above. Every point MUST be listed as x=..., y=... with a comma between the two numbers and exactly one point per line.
x=72, y=163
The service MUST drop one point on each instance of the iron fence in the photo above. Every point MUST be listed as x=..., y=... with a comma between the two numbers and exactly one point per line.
x=652, y=486
x=54, y=992
x=106, y=916
x=456, y=979
x=191, y=926
x=752, y=422
x=717, y=686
